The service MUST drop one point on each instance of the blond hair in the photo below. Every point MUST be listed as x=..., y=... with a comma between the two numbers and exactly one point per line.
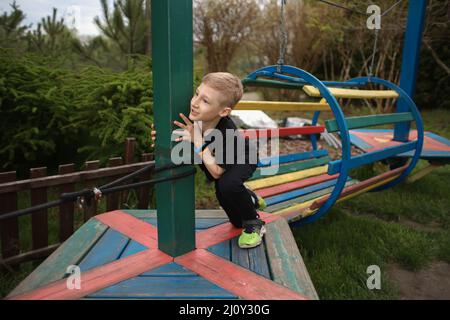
x=228, y=84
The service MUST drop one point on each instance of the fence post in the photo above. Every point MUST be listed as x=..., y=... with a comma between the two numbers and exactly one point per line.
x=66, y=210
x=39, y=219
x=9, y=228
x=90, y=208
x=113, y=199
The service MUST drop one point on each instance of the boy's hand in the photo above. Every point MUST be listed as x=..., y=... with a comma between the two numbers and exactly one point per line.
x=153, y=135
x=191, y=132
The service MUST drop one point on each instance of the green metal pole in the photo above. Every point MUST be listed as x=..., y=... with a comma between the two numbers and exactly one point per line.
x=172, y=54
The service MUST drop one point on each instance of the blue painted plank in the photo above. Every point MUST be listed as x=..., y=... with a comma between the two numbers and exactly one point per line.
x=132, y=247
x=299, y=192
x=222, y=249
x=258, y=261
x=193, y=287
x=169, y=270
x=106, y=250
x=265, y=162
x=335, y=166
x=438, y=138
x=239, y=256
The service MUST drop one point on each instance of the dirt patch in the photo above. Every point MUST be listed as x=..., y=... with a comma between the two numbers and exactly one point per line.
x=432, y=282
x=429, y=227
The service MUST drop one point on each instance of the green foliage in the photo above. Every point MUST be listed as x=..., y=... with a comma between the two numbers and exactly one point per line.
x=34, y=111
x=52, y=115
x=112, y=106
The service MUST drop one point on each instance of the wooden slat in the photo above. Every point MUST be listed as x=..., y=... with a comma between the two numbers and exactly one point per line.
x=235, y=279
x=369, y=121
x=363, y=159
x=302, y=199
x=9, y=228
x=286, y=262
x=144, y=192
x=364, y=184
x=66, y=210
x=288, y=168
x=113, y=199
x=282, y=188
x=39, y=219
x=285, y=178
x=282, y=106
x=70, y=253
x=200, y=213
x=51, y=181
x=106, y=250
x=99, y=278
x=130, y=144
x=258, y=262
x=132, y=227
x=164, y=287
x=299, y=192
x=353, y=93
x=281, y=132
x=285, y=158
x=91, y=208
x=222, y=249
x=271, y=84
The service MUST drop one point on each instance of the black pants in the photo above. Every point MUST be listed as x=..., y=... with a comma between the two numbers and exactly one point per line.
x=233, y=196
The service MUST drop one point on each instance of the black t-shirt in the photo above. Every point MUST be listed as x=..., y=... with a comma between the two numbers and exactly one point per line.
x=244, y=150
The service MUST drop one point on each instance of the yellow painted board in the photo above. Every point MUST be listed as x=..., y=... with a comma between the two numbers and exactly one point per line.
x=304, y=212
x=285, y=178
x=282, y=106
x=353, y=93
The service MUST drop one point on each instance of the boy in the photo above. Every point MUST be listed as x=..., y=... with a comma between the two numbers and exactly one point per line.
x=210, y=108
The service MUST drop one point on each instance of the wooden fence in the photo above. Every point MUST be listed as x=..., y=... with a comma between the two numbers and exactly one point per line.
x=39, y=188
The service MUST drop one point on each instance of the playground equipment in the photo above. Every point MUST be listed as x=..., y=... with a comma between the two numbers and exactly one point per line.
x=308, y=184
x=176, y=252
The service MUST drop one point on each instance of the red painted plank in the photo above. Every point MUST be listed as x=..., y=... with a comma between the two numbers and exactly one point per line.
x=382, y=140
x=272, y=191
x=361, y=185
x=235, y=279
x=281, y=132
x=225, y=231
x=132, y=227
x=100, y=278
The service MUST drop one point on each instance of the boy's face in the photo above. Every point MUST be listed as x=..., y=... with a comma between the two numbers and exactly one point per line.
x=207, y=104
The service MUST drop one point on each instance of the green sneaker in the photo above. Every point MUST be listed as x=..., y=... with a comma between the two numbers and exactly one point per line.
x=252, y=235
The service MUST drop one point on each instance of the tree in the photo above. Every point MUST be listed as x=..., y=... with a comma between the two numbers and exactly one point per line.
x=127, y=25
x=12, y=32
x=222, y=27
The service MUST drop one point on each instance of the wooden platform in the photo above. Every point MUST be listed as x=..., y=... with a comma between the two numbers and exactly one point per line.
x=369, y=140
x=118, y=257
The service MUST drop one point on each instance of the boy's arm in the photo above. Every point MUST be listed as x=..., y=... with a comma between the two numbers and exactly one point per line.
x=209, y=161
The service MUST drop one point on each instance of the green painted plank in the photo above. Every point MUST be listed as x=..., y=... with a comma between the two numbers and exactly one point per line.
x=292, y=167
x=69, y=253
x=370, y=121
x=286, y=263
x=200, y=213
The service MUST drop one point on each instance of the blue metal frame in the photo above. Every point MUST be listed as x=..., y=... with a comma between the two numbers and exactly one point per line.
x=307, y=78
x=410, y=60
x=344, y=165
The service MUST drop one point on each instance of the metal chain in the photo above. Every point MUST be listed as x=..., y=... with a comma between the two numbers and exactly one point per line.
x=374, y=51
x=284, y=36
